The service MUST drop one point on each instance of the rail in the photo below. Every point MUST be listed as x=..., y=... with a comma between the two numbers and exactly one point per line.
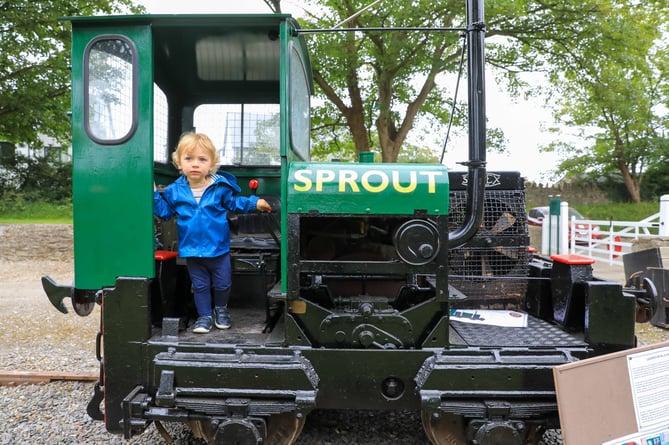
x=14, y=378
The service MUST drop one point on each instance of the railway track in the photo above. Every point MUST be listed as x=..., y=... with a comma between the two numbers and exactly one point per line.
x=15, y=378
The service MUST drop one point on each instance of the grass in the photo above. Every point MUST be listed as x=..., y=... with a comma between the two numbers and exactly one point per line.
x=19, y=211
x=620, y=211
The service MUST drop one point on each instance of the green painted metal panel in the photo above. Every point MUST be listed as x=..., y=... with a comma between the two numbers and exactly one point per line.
x=374, y=189
x=291, y=46
x=113, y=182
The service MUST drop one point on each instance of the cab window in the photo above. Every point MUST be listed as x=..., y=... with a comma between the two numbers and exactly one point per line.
x=160, y=115
x=244, y=134
x=300, y=123
x=110, y=97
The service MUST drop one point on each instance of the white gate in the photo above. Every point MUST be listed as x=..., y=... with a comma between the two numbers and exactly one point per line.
x=602, y=240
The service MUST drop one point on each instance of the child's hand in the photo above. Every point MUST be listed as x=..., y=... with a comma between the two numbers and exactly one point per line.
x=263, y=206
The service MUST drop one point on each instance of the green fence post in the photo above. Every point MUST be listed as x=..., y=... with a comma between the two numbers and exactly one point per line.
x=554, y=224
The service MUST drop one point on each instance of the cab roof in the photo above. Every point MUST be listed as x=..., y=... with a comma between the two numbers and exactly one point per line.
x=222, y=57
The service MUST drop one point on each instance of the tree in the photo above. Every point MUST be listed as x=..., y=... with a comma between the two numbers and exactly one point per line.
x=273, y=5
x=379, y=85
x=34, y=59
x=609, y=83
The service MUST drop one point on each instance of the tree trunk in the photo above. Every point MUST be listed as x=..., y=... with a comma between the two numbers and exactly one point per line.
x=630, y=183
x=391, y=138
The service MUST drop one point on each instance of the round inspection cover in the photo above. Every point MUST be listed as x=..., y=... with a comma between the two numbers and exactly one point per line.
x=417, y=242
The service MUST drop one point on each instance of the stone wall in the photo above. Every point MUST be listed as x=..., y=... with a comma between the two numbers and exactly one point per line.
x=536, y=195
x=650, y=242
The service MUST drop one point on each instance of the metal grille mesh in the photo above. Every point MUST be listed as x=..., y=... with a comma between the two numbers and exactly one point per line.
x=492, y=268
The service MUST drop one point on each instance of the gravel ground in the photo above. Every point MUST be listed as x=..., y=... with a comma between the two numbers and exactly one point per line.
x=35, y=336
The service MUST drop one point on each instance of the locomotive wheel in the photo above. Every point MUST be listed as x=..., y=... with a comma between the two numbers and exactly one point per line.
x=284, y=429
x=447, y=429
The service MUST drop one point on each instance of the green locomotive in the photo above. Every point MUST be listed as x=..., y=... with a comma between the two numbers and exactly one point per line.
x=349, y=295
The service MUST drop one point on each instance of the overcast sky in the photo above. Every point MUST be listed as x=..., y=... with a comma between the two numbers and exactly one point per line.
x=521, y=121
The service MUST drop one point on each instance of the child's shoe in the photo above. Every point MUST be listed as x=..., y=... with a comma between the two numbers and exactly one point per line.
x=202, y=324
x=222, y=317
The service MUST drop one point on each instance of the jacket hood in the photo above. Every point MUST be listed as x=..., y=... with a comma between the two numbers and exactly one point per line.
x=226, y=178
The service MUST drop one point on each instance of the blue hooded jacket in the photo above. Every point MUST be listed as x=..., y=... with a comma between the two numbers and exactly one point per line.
x=203, y=228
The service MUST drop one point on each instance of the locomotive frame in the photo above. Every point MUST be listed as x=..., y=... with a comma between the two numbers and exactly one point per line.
x=342, y=297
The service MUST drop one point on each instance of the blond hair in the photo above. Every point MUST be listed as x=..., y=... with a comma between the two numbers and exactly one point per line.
x=191, y=141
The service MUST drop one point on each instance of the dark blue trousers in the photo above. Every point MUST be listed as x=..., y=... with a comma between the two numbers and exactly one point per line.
x=209, y=274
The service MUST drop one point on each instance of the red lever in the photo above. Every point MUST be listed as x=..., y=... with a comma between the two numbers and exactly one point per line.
x=253, y=185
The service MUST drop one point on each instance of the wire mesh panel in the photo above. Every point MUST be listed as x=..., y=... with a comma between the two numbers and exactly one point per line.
x=244, y=134
x=492, y=268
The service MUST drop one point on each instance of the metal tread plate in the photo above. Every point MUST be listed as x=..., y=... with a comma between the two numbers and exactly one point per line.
x=248, y=328
x=538, y=333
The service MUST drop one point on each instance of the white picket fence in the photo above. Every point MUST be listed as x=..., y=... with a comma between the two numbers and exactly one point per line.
x=602, y=240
